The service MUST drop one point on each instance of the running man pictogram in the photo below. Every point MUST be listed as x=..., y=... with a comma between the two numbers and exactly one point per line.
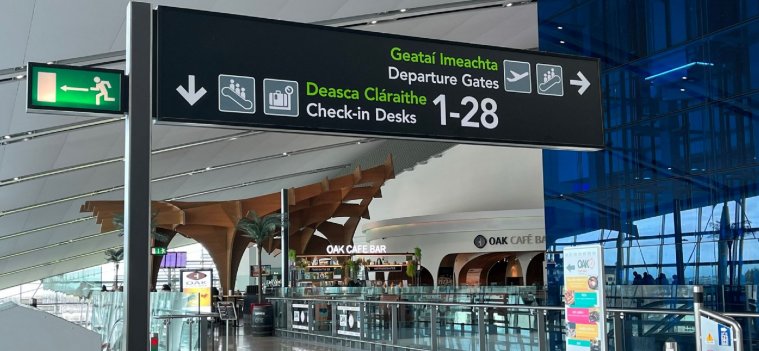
x=102, y=86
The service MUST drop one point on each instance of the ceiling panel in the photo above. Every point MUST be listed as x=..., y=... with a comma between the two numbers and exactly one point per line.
x=44, y=255
x=74, y=28
x=164, y=135
x=31, y=157
x=47, y=237
x=514, y=27
x=15, y=21
x=91, y=144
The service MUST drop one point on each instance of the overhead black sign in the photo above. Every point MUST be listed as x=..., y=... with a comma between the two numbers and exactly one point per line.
x=232, y=70
x=318, y=269
x=385, y=268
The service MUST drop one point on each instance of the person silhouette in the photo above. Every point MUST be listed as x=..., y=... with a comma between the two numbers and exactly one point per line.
x=237, y=89
x=242, y=93
x=102, y=86
x=232, y=84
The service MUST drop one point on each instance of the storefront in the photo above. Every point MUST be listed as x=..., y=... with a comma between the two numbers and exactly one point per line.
x=470, y=248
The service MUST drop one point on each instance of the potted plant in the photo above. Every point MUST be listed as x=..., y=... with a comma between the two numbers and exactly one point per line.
x=115, y=255
x=155, y=235
x=411, y=269
x=418, y=264
x=259, y=229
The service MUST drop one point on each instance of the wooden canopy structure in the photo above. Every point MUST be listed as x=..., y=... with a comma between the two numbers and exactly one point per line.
x=213, y=223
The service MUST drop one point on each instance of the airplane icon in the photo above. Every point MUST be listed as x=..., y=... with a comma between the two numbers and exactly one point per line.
x=515, y=76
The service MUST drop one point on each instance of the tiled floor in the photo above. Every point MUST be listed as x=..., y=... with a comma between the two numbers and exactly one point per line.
x=243, y=341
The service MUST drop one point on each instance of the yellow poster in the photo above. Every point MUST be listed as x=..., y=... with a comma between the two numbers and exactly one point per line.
x=578, y=283
x=197, y=286
x=586, y=331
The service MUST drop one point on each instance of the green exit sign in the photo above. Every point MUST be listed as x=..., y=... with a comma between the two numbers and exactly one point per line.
x=75, y=89
x=160, y=251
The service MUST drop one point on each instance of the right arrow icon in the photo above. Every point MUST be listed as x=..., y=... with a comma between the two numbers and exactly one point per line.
x=583, y=82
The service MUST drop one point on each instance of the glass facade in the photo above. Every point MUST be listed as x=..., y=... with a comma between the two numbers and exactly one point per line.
x=675, y=191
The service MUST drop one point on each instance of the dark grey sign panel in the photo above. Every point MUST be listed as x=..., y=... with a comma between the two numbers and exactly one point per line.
x=241, y=71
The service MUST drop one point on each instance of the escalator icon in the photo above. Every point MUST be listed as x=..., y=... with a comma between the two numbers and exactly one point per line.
x=550, y=79
x=237, y=94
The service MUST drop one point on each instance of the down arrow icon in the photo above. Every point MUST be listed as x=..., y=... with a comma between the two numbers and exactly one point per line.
x=583, y=83
x=190, y=94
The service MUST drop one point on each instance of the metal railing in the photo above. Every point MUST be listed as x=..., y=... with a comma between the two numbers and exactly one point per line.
x=429, y=325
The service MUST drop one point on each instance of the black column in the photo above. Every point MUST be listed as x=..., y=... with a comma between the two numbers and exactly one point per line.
x=285, y=240
x=678, y=244
x=137, y=179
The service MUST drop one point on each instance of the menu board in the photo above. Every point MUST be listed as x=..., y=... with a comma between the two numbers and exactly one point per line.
x=584, y=299
x=227, y=311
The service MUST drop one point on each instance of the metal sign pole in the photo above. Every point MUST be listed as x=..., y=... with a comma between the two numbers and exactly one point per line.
x=226, y=337
x=285, y=241
x=698, y=302
x=137, y=178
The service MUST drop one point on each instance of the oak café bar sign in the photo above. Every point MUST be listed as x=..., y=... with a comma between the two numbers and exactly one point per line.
x=480, y=241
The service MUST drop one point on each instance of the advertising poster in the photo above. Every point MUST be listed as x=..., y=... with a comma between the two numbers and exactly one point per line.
x=265, y=270
x=715, y=336
x=349, y=322
x=197, y=283
x=584, y=298
x=300, y=316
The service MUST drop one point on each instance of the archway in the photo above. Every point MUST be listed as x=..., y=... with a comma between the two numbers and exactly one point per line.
x=497, y=273
x=425, y=277
x=534, y=273
x=479, y=270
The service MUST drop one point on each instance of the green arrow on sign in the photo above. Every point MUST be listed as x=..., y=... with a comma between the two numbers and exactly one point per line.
x=75, y=89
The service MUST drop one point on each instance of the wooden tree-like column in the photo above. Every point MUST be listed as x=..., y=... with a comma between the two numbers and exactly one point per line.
x=213, y=223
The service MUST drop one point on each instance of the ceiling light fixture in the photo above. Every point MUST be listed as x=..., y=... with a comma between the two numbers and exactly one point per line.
x=561, y=42
x=403, y=10
x=559, y=27
x=373, y=22
x=20, y=76
x=510, y=4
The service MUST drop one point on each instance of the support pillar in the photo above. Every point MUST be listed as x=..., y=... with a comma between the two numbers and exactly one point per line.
x=137, y=178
